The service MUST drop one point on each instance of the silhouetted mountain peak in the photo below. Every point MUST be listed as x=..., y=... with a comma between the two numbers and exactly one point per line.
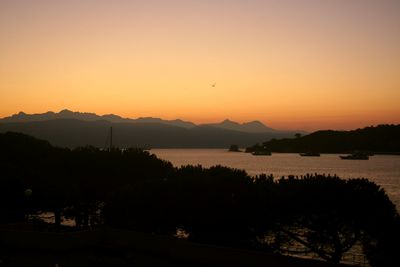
x=254, y=123
x=64, y=112
x=256, y=126
x=111, y=116
x=148, y=119
x=227, y=124
x=85, y=116
x=248, y=127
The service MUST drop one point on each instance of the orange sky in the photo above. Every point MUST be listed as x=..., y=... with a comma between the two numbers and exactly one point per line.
x=291, y=64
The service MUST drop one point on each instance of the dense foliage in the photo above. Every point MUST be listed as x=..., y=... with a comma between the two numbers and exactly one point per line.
x=382, y=138
x=131, y=189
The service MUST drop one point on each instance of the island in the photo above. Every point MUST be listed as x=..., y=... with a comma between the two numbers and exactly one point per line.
x=380, y=139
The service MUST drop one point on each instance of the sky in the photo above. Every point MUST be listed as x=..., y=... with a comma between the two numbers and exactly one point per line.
x=292, y=64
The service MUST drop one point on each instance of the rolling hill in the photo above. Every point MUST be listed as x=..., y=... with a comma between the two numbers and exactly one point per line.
x=72, y=129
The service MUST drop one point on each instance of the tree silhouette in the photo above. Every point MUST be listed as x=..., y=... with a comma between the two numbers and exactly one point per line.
x=132, y=189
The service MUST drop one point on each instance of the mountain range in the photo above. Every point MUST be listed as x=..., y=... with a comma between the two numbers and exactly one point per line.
x=250, y=127
x=72, y=129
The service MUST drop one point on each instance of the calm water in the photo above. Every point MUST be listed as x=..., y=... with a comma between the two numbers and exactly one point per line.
x=384, y=170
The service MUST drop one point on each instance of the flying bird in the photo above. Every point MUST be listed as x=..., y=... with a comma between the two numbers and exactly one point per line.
x=214, y=84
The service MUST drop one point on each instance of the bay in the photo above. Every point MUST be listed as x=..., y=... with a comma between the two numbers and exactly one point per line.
x=382, y=169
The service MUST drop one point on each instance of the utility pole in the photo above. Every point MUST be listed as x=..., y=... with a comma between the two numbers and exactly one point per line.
x=111, y=138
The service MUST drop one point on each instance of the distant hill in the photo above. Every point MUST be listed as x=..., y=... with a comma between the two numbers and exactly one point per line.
x=71, y=129
x=74, y=132
x=378, y=139
x=249, y=127
x=85, y=116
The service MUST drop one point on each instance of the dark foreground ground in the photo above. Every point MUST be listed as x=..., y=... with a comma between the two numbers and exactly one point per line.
x=108, y=247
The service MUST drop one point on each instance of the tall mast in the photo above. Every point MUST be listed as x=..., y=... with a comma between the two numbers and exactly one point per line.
x=111, y=138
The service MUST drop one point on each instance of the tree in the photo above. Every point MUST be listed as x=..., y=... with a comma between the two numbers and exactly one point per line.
x=327, y=216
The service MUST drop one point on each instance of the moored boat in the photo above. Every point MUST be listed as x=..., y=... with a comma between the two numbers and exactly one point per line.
x=356, y=156
x=310, y=154
x=261, y=153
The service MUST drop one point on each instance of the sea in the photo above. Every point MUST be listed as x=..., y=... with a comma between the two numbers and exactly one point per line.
x=384, y=170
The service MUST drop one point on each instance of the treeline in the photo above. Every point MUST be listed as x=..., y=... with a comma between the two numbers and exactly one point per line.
x=378, y=139
x=131, y=189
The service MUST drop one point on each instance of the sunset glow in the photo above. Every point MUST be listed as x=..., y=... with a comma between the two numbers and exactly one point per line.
x=290, y=64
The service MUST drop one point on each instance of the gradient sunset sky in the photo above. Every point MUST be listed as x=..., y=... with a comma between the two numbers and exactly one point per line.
x=291, y=64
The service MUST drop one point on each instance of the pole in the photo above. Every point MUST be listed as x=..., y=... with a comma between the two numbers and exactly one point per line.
x=111, y=138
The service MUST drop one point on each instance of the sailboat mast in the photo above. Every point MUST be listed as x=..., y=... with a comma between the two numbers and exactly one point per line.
x=111, y=137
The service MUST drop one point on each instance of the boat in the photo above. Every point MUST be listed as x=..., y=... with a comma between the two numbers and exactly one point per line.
x=234, y=148
x=310, y=154
x=261, y=153
x=356, y=156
